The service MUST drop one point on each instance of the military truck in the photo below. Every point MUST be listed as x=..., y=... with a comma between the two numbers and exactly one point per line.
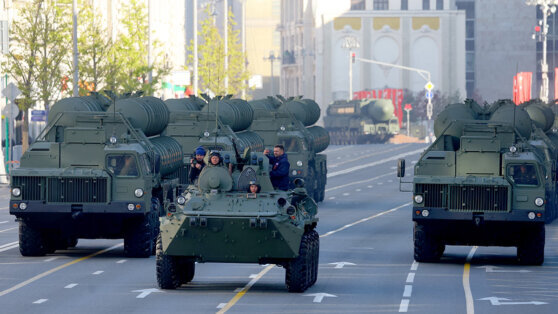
x=218, y=220
x=290, y=122
x=361, y=121
x=95, y=174
x=489, y=179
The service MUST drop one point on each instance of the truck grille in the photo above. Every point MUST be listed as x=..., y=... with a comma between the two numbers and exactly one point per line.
x=77, y=190
x=464, y=197
x=31, y=187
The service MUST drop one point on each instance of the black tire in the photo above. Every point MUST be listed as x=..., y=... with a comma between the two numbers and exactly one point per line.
x=156, y=209
x=427, y=247
x=531, y=251
x=166, y=268
x=31, y=241
x=138, y=240
x=187, y=269
x=72, y=242
x=297, y=269
x=315, y=256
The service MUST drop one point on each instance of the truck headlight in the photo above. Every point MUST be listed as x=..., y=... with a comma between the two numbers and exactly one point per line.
x=418, y=199
x=299, y=163
x=294, y=172
x=16, y=192
x=113, y=139
x=23, y=206
x=181, y=200
x=539, y=201
x=138, y=192
x=131, y=207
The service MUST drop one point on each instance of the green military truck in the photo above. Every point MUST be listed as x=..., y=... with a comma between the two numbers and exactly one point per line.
x=489, y=179
x=95, y=174
x=361, y=121
x=290, y=123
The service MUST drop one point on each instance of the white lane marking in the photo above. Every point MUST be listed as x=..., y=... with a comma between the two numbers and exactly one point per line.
x=51, y=259
x=380, y=183
x=466, y=285
x=393, y=168
x=146, y=292
x=318, y=297
x=390, y=181
x=492, y=269
x=3, y=222
x=98, y=272
x=346, y=194
x=8, y=244
x=222, y=305
x=402, y=147
x=364, y=220
x=408, y=290
x=358, y=190
x=338, y=157
x=8, y=229
x=252, y=276
x=237, y=290
x=363, y=181
x=498, y=301
x=70, y=286
x=122, y=261
x=9, y=248
x=331, y=198
x=341, y=264
x=415, y=265
x=410, y=278
x=370, y=186
x=364, y=166
x=404, y=306
x=40, y=301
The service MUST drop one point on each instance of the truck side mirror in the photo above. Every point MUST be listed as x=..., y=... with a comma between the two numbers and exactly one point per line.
x=401, y=168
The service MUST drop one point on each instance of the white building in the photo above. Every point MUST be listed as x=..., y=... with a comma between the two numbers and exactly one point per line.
x=428, y=35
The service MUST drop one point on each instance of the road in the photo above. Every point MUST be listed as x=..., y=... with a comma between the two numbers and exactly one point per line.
x=366, y=263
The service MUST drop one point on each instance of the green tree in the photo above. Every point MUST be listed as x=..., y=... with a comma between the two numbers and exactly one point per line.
x=38, y=51
x=211, y=55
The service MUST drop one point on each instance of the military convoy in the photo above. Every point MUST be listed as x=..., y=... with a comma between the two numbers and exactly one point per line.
x=361, y=121
x=489, y=179
x=219, y=220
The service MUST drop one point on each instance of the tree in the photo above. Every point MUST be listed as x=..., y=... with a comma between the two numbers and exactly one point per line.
x=211, y=55
x=38, y=47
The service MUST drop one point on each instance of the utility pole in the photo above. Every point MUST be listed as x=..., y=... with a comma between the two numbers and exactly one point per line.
x=547, y=7
x=350, y=43
x=195, y=20
x=243, y=92
x=76, y=53
x=272, y=58
x=149, y=42
x=226, y=42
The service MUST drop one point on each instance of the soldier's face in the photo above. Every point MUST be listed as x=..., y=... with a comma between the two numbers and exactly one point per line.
x=199, y=157
x=253, y=188
x=277, y=151
x=214, y=160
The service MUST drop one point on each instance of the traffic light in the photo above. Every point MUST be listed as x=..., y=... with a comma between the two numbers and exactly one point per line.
x=353, y=57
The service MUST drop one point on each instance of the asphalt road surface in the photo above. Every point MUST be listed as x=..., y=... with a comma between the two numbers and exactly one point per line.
x=366, y=263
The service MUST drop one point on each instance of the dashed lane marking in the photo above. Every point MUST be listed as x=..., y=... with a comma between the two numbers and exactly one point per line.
x=40, y=301
x=358, y=190
x=98, y=272
x=408, y=290
x=8, y=229
x=410, y=278
x=331, y=198
x=242, y=292
x=46, y=273
x=404, y=306
x=363, y=181
x=122, y=261
x=346, y=194
x=51, y=259
x=414, y=266
x=9, y=246
x=3, y=222
x=402, y=147
x=70, y=286
x=466, y=285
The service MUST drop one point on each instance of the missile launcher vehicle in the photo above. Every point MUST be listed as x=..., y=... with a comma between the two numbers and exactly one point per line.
x=361, y=121
x=96, y=174
x=489, y=179
x=219, y=220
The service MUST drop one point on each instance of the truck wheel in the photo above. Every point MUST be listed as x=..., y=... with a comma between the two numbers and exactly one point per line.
x=531, y=251
x=296, y=271
x=187, y=269
x=138, y=237
x=427, y=248
x=31, y=241
x=156, y=213
x=315, y=256
x=166, y=267
x=72, y=242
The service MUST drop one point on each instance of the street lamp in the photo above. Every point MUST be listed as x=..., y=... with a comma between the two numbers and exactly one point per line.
x=547, y=7
x=350, y=43
x=272, y=58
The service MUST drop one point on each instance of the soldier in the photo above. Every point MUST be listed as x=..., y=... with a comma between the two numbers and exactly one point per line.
x=197, y=164
x=527, y=175
x=280, y=167
x=254, y=187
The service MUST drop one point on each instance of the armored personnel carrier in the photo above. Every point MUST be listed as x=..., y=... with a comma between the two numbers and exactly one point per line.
x=290, y=122
x=220, y=220
x=95, y=174
x=489, y=179
x=361, y=121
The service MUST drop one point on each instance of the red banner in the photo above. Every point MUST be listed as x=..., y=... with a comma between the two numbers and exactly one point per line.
x=396, y=96
x=522, y=87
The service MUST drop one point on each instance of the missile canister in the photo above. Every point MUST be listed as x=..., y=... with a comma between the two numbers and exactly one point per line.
x=506, y=113
x=149, y=114
x=85, y=103
x=170, y=153
x=380, y=109
x=306, y=111
x=541, y=115
x=184, y=104
x=320, y=138
x=237, y=114
x=454, y=112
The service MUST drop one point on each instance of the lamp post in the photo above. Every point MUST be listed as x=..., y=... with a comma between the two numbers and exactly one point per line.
x=547, y=7
x=195, y=21
x=272, y=58
x=75, y=48
x=350, y=43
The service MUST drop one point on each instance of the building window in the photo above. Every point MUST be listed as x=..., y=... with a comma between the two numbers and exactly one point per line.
x=426, y=4
x=358, y=4
x=439, y=4
x=381, y=4
x=404, y=4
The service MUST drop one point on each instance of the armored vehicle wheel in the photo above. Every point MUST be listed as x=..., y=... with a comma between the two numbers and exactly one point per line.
x=427, y=247
x=315, y=256
x=31, y=241
x=72, y=242
x=156, y=209
x=138, y=238
x=167, y=270
x=531, y=251
x=187, y=269
x=297, y=269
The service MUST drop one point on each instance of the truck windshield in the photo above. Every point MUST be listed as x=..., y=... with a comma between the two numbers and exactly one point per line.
x=291, y=145
x=122, y=165
x=523, y=174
